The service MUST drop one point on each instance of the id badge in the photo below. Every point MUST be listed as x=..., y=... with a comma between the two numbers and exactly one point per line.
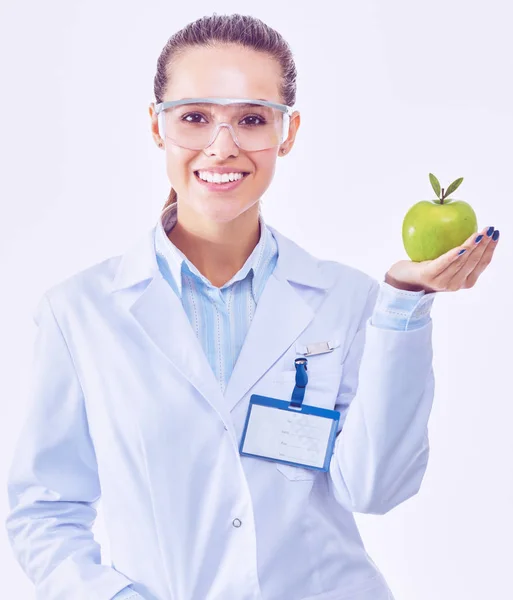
x=290, y=432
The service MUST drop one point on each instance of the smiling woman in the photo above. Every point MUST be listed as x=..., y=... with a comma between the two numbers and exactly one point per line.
x=235, y=57
x=147, y=366
x=224, y=91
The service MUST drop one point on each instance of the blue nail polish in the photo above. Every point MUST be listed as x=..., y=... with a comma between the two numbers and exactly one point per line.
x=490, y=231
x=495, y=236
x=462, y=251
x=479, y=238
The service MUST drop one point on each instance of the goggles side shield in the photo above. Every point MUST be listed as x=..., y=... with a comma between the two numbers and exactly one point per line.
x=193, y=123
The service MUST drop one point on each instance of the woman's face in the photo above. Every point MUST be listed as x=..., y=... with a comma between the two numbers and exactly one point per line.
x=231, y=72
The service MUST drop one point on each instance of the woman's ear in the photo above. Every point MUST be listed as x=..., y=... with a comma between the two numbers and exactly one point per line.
x=295, y=120
x=156, y=126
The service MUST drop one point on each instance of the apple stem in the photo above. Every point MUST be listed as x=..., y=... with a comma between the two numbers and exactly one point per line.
x=442, y=198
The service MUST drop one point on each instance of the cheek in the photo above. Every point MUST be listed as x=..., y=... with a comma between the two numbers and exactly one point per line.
x=178, y=166
x=265, y=164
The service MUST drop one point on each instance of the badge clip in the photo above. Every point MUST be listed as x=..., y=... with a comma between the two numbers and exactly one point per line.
x=317, y=347
x=298, y=393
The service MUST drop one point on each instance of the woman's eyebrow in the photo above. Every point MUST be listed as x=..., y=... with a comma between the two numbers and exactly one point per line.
x=244, y=104
x=250, y=104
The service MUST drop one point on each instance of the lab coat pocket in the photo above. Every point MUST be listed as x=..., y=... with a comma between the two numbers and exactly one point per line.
x=296, y=473
x=321, y=391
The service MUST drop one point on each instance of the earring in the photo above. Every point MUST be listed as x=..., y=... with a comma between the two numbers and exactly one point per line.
x=282, y=151
x=160, y=144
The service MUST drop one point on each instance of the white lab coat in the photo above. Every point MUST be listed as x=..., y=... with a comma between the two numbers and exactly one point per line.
x=124, y=403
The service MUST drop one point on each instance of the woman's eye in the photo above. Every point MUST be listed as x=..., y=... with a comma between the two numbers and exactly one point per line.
x=261, y=121
x=250, y=120
x=185, y=117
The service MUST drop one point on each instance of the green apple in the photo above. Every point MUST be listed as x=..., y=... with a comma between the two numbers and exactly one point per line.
x=433, y=227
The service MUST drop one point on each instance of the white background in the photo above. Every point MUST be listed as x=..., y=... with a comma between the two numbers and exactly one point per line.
x=388, y=92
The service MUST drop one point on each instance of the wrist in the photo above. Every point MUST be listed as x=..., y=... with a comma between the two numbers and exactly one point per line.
x=401, y=285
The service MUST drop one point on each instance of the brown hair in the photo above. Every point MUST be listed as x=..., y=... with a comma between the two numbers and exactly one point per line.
x=244, y=30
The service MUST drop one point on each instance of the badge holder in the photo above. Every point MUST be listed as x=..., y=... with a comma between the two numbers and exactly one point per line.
x=291, y=433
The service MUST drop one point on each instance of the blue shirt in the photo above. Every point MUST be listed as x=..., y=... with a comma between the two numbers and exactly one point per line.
x=221, y=316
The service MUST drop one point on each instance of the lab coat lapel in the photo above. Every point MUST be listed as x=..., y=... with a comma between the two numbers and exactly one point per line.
x=160, y=313
x=280, y=317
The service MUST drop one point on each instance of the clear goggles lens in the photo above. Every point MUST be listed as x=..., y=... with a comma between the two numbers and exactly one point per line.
x=196, y=126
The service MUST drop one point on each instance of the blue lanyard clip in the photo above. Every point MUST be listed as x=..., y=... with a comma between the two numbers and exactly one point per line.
x=298, y=393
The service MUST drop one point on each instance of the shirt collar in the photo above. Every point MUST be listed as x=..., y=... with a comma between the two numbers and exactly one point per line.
x=177, y=262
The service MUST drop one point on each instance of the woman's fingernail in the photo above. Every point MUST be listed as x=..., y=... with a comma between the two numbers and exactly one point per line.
x=490, y=231
x=479, y=238
x=495, y=236
x=462, y=251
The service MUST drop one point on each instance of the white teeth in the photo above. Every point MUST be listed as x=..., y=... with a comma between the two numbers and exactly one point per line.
x=218, y=177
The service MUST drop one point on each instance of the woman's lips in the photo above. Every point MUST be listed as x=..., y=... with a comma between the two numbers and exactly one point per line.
x=220, y=187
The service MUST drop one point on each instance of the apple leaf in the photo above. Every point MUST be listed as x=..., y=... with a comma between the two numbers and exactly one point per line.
x=453, y=186
x=435, y=184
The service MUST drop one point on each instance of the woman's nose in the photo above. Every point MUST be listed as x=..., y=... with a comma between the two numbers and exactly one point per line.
x=223, y=140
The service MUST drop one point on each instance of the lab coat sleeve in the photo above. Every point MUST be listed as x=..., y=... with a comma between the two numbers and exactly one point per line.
x=128, y=593
x=53, y=484
x=401, y=309
x=385, y=400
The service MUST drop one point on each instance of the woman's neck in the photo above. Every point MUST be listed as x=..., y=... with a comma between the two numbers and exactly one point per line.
x=217, y=250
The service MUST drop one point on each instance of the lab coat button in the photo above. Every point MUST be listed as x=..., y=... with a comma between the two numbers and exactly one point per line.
x=236, y=522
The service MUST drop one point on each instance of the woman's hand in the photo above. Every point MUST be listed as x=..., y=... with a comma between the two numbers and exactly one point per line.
x=449, y=272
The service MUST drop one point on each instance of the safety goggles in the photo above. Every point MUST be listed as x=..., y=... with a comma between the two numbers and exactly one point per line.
x=193, y=123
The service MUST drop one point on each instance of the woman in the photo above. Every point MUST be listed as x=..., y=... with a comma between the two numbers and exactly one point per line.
x=146, y=364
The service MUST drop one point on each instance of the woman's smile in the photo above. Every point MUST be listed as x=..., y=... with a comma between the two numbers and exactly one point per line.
x=220, y=186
